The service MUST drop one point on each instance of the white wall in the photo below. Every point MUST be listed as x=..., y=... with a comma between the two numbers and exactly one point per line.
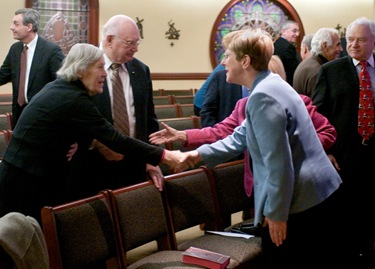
x=194, y=19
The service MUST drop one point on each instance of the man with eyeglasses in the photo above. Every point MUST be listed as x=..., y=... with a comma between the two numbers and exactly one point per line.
x=285, y=48
x=98, y=167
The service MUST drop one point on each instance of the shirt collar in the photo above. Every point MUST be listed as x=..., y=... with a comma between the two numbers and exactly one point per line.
x=369, y=60
x=32, y=43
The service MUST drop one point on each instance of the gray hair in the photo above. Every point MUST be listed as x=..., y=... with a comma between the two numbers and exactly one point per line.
x=323, y=35
x=286, y=24
x=306, y=40
x=80, y=56
x=363, y=21
x=29, y=16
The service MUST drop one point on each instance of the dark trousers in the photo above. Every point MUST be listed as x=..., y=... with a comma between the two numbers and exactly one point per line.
x=26, y=193
x=312, y=241
x=358, y=199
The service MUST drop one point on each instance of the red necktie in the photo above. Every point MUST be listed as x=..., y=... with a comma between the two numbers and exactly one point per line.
x=366, y=104
x=120, y=112
x=21, y=100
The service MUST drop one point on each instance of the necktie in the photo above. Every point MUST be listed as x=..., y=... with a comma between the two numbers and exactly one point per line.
x=120, y=112
x=21, y=88
x=366, y=104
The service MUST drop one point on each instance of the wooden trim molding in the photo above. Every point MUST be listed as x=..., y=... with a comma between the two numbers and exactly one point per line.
x=179, y=76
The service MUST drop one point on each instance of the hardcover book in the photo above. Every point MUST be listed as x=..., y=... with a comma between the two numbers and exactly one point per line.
x=205, y=258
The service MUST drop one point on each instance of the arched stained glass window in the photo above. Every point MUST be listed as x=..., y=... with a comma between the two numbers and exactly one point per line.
x=244, y=14
x=67, y=22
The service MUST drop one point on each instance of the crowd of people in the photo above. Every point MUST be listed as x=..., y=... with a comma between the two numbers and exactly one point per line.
x=294, y=117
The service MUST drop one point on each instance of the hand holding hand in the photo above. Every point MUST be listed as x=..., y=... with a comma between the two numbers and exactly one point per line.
x=179, y=161
x=167, y=135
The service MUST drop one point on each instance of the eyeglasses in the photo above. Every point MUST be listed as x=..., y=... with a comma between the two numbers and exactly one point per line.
x=130, y=43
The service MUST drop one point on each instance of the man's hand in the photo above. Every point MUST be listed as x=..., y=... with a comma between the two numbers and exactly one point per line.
x=156, y=176
x=72, y=151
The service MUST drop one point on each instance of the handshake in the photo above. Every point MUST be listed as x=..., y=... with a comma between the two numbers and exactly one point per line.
x=180, y=161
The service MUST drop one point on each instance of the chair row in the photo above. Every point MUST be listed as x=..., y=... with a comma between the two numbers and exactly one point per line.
x=174, y=111
x=163, y=92
x=6, y=121
x=5, y=107
x=6, y=97
x=97, y=232
x=4, y=141
x=173, y=99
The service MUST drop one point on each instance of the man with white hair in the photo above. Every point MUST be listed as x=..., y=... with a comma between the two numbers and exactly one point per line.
x=98, y=167
x=305, y=51
x=325, y=46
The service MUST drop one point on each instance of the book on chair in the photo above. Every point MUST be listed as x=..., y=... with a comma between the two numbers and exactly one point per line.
x=205, y=258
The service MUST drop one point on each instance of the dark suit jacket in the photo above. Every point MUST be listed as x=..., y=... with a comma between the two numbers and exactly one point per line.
x=337, y=97
x=89, y=167
x=36, y=164
x=288, y=55
x=46, y=61
x=220, y=99
x=140, y=80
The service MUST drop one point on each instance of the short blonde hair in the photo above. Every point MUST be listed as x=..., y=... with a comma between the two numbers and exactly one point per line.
x=256, y=43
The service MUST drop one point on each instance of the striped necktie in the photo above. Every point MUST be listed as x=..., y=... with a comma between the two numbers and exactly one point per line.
x=120, y=111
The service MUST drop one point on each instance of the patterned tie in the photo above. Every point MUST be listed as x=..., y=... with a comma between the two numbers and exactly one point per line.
x=366, y=104
x=21, y=88
x=120, y=112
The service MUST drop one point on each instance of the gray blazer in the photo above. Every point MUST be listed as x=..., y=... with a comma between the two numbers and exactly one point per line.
x=291, y=170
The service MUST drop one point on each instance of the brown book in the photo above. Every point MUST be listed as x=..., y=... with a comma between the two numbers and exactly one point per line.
x=205, y=258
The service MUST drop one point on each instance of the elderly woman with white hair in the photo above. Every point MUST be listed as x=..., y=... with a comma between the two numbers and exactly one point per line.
x=34, y=167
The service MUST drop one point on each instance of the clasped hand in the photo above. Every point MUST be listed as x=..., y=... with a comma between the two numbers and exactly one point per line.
x=180, y=161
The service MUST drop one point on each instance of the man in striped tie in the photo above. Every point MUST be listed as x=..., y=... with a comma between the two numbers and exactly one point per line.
x=127, y=102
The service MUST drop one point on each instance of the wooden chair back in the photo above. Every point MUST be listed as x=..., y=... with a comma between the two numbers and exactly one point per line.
x=163, y=100
x=81, y=234
x=228, y=181
x=141, y=217
x=167, y=111
x=189, y=200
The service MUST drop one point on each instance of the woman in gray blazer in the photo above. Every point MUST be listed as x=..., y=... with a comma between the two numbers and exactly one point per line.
x=295, y=184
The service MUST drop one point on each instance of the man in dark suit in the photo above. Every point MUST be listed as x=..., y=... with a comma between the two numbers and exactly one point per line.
x=44, y=59
x=337, y=97
x=220, y=99
x=100, y=168
x=285, y=48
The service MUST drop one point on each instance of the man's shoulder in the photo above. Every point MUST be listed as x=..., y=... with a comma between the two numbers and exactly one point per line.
x=339, y=62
